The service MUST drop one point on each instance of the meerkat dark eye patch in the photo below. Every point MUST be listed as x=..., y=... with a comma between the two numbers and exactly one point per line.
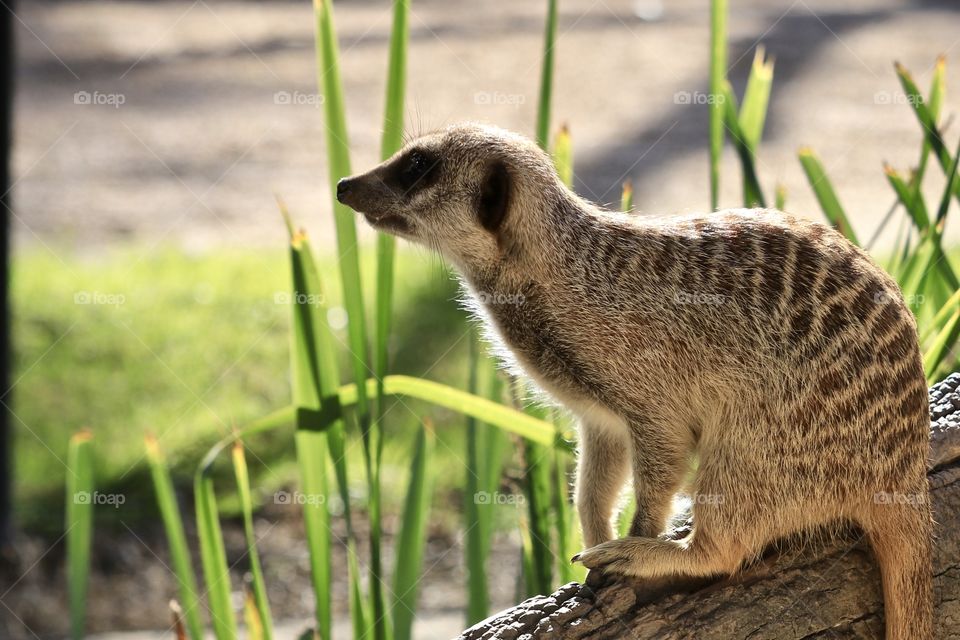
x=494, y=197
x=416, y=170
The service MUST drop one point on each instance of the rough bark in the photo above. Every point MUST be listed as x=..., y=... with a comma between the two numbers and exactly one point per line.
x=817, y=587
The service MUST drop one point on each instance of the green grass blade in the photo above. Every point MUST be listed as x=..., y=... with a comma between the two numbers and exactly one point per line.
x=576, y=572
x=392, y=138
x=264, y=618
x=214, y=558
x=948, y=190
x=752, y=193
x=314, y=338
x=413, y=536
x=310, y=337
x=756, y=97
x=563, y=156
x=359, y=616
x=386, y=259
x=928, y=114
x=79, y=527
x=928, y=124
x=546, y=76
x=526, y=559
x=941, y=346
x=505, y=419
x=718, y=75
x=475, y=546
x=625, y=518
x=940, y=288
x=338, y=159
x=901, y=245
x=780, y=197
x=912, y=200
x=391, y=142
x=566, y=570
x=938, y=90
x=176, y=538
x=251, y=616
x=312, y=454
x=940, y=319
x=626, y=198
x=920, y=279
x=917, y=271
x=909, y=198
x=441, y=395
x=496, y=445
x=486, y=449
x=911, y=263
x=826, y=196
x=316, y=376
x=537, y=485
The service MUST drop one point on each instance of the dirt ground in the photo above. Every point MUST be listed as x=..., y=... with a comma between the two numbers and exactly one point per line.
x=176, y=123
x=131, y=583
x=199, y=112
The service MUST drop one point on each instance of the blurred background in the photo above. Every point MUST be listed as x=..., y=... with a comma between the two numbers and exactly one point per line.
x=148, y=258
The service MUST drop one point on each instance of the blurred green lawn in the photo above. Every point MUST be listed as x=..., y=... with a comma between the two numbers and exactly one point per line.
x=186, y=347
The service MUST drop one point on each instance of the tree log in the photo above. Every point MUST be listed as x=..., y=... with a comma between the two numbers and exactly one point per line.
x=809, y=587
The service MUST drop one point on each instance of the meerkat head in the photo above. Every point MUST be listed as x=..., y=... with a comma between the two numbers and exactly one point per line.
x=471, y=191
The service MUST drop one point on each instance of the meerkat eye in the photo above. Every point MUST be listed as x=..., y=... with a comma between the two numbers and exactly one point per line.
x=414, y=169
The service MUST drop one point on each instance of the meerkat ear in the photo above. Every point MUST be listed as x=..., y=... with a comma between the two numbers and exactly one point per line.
x=494, y=197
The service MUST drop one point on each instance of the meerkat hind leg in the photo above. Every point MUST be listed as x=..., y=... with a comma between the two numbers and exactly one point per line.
x=696, y=556
x=658, y=473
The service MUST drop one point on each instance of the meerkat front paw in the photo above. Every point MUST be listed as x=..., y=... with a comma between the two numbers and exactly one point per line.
x=616, y=556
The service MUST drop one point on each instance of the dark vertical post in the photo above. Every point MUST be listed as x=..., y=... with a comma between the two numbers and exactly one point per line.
x=6, y=201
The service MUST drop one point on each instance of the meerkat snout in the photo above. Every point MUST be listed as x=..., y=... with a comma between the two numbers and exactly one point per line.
x=343, y=189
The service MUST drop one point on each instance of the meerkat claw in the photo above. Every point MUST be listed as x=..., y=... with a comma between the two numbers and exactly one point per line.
x=594, y=557
x=614, y=556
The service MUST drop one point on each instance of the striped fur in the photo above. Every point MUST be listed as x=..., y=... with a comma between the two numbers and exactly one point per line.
x=764, y=346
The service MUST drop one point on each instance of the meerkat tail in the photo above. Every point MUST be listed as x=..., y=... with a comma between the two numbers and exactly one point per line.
x=901, y=542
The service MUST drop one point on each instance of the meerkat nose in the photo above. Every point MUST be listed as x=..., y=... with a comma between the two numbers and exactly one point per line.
x=343, y=188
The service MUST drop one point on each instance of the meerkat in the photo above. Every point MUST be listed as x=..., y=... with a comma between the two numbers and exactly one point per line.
x=764, y=346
